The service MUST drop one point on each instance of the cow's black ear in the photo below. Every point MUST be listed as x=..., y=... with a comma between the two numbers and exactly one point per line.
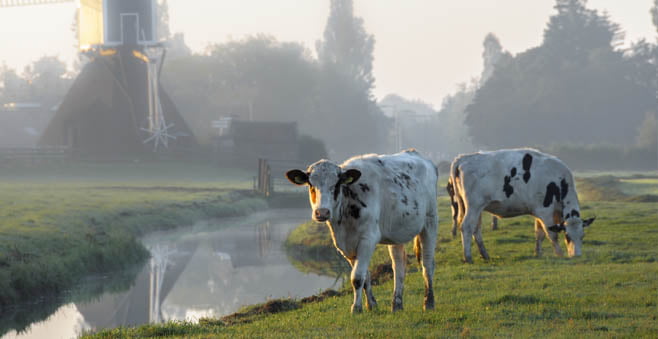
x=297, y=177
x=349, y=177
x=557, y=228
x=588, y=222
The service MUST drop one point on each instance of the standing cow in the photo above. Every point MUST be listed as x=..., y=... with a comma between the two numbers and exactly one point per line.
x=509, y=183
x=377, y=199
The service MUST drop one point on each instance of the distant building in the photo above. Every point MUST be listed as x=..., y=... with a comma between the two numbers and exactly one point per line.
x=21, y=123
x=247, y=141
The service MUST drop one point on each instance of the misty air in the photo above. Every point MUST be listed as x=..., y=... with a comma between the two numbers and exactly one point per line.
x=333, y=168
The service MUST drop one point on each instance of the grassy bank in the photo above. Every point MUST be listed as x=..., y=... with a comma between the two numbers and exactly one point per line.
x=609, y=292
x=61, y=222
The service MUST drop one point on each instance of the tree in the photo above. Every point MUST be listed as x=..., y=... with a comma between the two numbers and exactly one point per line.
x=258, y=78
x=164, y=32
x=493, y=54
x=12, y=87
x=47, y=80
x=576, y=87
x=575, y=29
x=349, y=121
x=654, y=14
x=646, y=133
x=347, y=48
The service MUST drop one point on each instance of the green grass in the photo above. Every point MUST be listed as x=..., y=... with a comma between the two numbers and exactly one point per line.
x=59, y=223
x=611, y=291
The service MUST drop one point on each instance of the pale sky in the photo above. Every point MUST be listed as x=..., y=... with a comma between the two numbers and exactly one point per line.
x=423, y=49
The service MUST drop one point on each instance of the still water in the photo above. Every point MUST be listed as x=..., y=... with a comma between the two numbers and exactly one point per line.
x=210, y=269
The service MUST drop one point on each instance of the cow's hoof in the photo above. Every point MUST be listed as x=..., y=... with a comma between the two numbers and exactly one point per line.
x=429, y=305
x=396, y=305
x=467, y=261
x=357, y=309
x=371, y=305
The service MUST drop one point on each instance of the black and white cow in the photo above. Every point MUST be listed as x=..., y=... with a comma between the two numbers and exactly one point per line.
x=509, y=183
x=377, y=199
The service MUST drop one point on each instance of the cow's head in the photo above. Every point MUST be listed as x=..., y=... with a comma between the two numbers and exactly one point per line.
x=324, y=180
x=574, y=229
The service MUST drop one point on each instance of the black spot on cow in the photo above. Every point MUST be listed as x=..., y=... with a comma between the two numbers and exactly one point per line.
x=407, y=180
x=354, y=211
x=416, y=205
x=566, y=236
x=507, y=188
x=575, y=213
x=398, y=182
x=410, y=167
x=567, y=216
x=348, y=193
x=337, y=190
x=552, y=191
x=527, y=162
x=357, y=283
x=456, y=172
x=513, y=172
x=404, y=199
x=406, y=214
x=564, y=188
x=364, y=187
x=381, y=163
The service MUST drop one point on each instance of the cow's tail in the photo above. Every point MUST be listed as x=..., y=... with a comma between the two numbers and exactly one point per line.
x=417, y=248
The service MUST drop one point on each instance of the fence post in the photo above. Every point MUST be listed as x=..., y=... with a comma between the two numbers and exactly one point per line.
x=264, y=177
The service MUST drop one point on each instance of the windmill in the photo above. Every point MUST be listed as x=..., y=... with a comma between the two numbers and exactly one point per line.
x=116, y=105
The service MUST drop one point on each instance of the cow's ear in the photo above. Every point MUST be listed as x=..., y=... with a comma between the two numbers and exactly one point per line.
x=297, y=177
x=349, y=177
x=557, y=228
x=588, y=222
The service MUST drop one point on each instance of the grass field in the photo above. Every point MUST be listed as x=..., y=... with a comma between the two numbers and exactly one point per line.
x=611, y=291
x=59, y=223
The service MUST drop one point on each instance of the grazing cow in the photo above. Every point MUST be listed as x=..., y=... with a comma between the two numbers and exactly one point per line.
x=377, y=199
x=509, y=183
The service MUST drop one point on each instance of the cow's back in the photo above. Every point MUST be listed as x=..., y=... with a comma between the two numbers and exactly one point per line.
x=399, y=190
x=513, y=182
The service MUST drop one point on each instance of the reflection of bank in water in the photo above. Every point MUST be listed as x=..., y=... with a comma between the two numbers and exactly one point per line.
x=210, y=273
x=316, y=253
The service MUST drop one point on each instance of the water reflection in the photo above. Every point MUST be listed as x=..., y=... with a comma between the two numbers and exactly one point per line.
x=198, y=272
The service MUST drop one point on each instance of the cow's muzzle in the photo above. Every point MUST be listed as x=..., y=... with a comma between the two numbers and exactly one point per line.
x=321, y=214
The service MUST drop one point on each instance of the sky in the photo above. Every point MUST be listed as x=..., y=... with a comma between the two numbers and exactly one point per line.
x=423, y=50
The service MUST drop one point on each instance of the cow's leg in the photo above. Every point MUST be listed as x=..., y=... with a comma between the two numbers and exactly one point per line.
x=540, y=234
x=428, y=243
x=468, y=227
x=370, y=297
x=367, y=286
x=454, y=205
x=494, y=223
x=360, y=271
x=461, y=209
x=547, y=220
x=477, y=236
x=399, y=261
